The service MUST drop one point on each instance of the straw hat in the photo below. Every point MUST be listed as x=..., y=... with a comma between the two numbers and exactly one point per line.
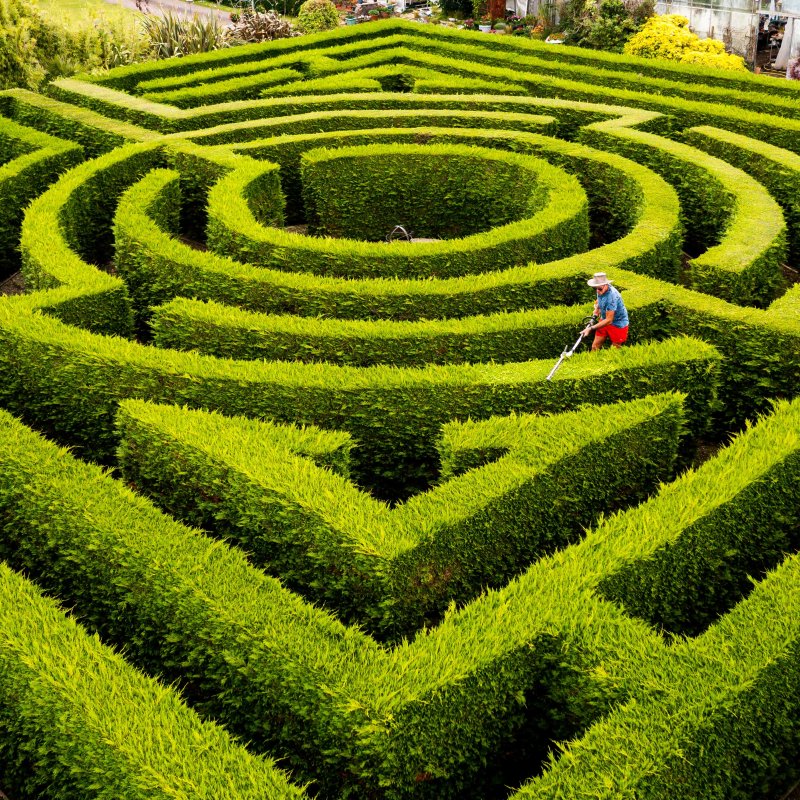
x=599, y=279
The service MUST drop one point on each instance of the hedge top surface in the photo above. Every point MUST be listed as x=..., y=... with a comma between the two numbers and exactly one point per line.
x=560, y=642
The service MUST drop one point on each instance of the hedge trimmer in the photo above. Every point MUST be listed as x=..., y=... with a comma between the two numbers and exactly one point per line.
x=571, y=351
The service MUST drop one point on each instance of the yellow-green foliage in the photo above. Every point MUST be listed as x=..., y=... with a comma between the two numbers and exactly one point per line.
x=317, y=15
x=669, y=37
x=384, y=441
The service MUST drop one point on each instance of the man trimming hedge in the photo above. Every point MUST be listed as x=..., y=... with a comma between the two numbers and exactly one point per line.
x=611, y=311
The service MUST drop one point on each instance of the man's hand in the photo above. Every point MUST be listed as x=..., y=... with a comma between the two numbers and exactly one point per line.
x=586, y=331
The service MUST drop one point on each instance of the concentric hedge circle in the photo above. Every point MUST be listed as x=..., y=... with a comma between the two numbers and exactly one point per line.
x=372, y=423
x=553, y=206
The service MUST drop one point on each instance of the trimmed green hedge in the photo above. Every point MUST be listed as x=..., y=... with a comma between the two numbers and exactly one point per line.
x=183, y=606
x=70, y=224
x=720, y=710
x=238, y=88
x=394, y=77
x=775, y=168
x=158, y=268
x=545, y=656
x=690, y=105
x=29, y=162
x=745, y=265
x=438, y=191
x=171, y=120
x=249, y=651
x=609, y=75
x=395, y=570
x=288, y=150
x=690, y=582
x=571, y=115
x=612, y=214
x=326, y=122
x=197, y=78
x=47, y=372
x=95, y=133
x=554, y=231
x=394, y=31
x=742, y=394
x=77, y=721
x=227, y=332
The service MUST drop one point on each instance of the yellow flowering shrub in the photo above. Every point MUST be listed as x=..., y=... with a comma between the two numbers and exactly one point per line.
x=669, y=37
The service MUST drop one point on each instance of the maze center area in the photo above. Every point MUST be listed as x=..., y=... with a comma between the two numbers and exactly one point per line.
x=291, y=510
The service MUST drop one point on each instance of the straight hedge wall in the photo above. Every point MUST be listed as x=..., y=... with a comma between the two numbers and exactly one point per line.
x=680, y=738
x=77, y=721
x=226, y=332
x=394, y=570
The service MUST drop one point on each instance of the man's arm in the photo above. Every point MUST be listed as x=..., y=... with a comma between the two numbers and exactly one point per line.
x=607, y=320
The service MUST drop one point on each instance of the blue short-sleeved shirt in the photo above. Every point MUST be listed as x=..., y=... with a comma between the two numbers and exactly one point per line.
x=612, y=301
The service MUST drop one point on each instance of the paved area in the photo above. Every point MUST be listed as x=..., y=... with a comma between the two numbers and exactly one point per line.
x=181, y=6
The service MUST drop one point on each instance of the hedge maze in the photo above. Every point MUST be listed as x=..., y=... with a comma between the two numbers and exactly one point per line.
x=290, y=510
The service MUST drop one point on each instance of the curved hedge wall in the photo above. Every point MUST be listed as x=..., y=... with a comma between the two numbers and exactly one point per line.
x=325, y=487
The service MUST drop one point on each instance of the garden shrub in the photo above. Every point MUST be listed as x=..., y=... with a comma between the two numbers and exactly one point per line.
x=317, y=15
x=258, y=25
x=171, y=34
x=605, y=24
x=34, y=47
x=668, y=36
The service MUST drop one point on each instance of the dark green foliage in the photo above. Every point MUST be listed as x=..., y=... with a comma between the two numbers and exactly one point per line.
x=436, y=192
x=556, y=229
x=604, y=24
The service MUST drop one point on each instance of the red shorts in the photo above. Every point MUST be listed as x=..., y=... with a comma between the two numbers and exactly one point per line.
x=617, y=335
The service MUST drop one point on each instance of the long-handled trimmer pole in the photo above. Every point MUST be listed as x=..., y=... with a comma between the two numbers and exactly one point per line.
x=571, y=351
